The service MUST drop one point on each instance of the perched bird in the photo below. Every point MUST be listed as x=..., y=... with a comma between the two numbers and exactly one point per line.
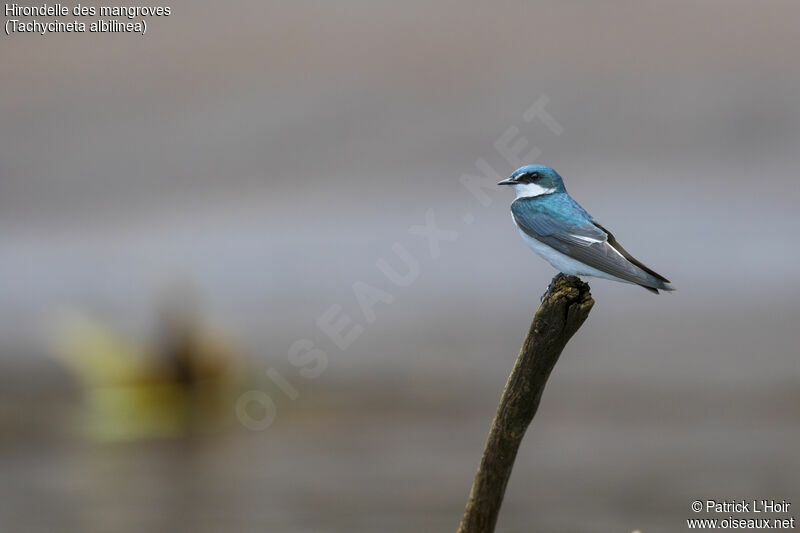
x=563, y=233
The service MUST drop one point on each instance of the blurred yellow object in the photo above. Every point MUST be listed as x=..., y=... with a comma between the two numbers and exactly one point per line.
x=97, y=354
x=131, y=392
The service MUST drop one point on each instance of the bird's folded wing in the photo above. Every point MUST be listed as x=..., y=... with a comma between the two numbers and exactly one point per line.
x=586, y=242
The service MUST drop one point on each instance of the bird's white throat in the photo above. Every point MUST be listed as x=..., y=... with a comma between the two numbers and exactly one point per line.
x=527, y=190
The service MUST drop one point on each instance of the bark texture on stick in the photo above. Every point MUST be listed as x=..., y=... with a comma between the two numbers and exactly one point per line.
x=563, y=310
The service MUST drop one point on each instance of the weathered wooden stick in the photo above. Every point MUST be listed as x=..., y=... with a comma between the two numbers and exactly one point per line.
x=563, y=310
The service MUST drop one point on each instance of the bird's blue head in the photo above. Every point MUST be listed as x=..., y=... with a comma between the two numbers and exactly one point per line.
x=534, y=180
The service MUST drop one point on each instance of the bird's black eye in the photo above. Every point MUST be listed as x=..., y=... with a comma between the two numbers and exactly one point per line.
x=532, y=176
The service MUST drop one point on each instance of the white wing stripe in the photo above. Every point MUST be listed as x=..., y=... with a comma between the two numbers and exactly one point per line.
x=584, y=238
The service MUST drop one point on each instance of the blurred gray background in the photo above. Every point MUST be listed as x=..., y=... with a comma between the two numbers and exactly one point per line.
x=269, y=153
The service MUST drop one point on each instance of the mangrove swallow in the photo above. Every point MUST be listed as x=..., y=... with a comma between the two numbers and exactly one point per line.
x=554, y=226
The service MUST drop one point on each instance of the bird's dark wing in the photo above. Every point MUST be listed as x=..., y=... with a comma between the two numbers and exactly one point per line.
x=571, y=231
x=612, y=241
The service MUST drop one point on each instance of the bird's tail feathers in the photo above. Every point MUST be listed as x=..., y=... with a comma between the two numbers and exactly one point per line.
x=664, y=286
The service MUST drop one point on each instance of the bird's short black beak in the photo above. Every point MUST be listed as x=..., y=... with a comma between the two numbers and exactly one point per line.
x=507, y=181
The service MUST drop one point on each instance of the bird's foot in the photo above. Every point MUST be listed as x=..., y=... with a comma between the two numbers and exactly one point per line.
x=550, y=287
